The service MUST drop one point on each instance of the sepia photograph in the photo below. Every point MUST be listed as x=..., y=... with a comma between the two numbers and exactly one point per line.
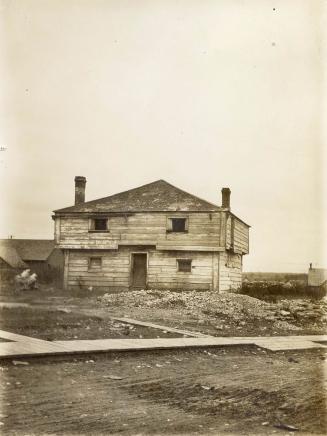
x=163, y=238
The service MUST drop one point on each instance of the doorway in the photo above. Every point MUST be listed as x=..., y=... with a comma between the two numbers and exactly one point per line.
x=139, y=269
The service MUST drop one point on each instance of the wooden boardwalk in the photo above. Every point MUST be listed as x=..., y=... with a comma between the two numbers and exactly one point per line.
x=192, y=334
x=24, y=346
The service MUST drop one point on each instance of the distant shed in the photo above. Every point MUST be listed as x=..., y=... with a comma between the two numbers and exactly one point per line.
x=10, y=259
x=39, y=255
x=10, y=263
x=317, y=277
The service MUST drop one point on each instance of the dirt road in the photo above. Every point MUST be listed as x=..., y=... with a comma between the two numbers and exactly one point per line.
x=234, y=390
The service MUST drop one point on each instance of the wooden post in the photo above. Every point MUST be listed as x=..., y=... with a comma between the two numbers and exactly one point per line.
x=222, y=235
x=232, y=232
x=66, y=268
x=215, y=272
x=57, y=230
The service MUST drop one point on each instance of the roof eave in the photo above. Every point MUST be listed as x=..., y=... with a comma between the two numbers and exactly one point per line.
x=243, y=222
x=90, y=212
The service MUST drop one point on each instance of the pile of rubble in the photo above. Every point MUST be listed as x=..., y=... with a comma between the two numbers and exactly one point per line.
x=304, y=311
x=237, y=307
x=196, y=302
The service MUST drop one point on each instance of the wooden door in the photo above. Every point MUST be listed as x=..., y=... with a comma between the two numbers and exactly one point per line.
x=139, y=268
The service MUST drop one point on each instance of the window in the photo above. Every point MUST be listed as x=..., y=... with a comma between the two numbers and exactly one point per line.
x=178, y=225
x=99, y=225
x=95, y=263
x=184, y=265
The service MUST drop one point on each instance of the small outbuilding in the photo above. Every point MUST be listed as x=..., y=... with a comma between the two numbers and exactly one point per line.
x=317, y=277
x=39, y=255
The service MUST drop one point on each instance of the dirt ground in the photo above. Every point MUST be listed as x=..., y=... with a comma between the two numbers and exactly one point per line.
x=55, y=325
x=58, y=315
x=226, y=390
x=230, y=390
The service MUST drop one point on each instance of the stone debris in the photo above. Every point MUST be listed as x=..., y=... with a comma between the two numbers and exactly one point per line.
x=285, y=314
x=237, y=305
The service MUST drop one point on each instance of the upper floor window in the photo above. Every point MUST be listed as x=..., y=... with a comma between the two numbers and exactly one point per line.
x=99, y=225
x=178, y=225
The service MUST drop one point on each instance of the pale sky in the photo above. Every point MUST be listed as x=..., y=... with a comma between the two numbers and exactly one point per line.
x=203, y=94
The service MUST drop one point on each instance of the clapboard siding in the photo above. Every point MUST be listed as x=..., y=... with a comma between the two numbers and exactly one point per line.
x=214, y=241
x=237, y=235
x=151, y=228
x=229, y=242
x=230, y=271
x=241, y=237
x=162, y=269
x=115, y=271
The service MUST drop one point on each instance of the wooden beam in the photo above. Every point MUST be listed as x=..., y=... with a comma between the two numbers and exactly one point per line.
x=189, y=248
x=66, y=269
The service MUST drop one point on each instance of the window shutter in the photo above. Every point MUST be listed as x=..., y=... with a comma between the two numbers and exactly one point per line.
x=169, y=224
x=91, y=224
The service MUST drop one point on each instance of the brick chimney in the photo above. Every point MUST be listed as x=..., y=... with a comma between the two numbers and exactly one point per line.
x=80, y=183
x=225, y=198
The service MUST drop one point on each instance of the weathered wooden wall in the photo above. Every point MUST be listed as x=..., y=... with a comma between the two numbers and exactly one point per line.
x=162, y=269
x=230, y=271
x=241, y=237
x=115, y=271
x=205, y=242
x=141, y=228
x=163, y=272
x=237, y=235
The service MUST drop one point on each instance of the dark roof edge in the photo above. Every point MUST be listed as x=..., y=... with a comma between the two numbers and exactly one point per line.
x=235, y=216
x=121, y=212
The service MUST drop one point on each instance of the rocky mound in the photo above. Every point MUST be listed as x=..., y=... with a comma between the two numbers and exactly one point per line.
x=237, y=307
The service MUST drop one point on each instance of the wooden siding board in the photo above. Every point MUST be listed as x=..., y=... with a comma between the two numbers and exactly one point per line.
x=162, y=269
x=66, y=268
x=241, y=236
x=205, y=242
x=203, y=231
x=230, y=271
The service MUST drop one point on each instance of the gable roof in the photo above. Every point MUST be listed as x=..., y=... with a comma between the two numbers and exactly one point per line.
x=11, y=257
x=30, y=249
x=158, y=196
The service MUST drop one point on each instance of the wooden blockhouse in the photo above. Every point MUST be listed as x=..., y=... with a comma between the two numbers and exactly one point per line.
x=156, y=236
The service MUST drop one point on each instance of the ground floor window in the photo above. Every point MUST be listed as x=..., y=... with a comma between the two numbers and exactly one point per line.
x=95, y=263
x=184, y=265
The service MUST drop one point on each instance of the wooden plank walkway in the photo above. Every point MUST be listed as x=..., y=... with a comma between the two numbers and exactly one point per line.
x=192, y=334
x=24, y=346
